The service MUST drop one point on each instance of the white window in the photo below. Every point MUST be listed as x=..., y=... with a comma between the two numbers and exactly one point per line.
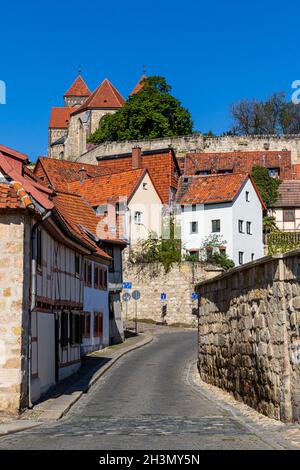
x=249, y=228
x=247, y=196
x=138, y=217
x=145, y=186
x=241, y=257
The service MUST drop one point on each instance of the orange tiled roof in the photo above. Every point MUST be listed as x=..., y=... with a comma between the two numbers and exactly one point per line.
x=105, y=96
x=14, y=196
x=78, y=88
x=58, y=173
x=100, y=189
x=138, y=86
x=210, y=189
x=60, y=117
x=13, y=153
x=77, y=215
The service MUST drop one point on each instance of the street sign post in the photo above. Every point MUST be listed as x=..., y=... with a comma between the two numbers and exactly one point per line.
x=163, y=300
x=136, y=295
x=126, y=297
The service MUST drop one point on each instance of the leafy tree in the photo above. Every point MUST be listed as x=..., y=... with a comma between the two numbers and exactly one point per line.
x=267, y=186
x=152, y=112
x=273, y=116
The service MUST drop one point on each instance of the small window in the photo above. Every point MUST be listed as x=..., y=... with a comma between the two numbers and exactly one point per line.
x=182, y=208
x=64, y=333
x=145, y=186
x=216, y=225
x=247, y=196
x=249, y=228
x=241, y=257
x=98, y=324
x=194, y=207
x=226, y=171
x=203, y=172
x=274, y=172
x=89, y=274
x=105, y=279
x=39, y=256
x=138, y=217
x=77, y=265
x=241, y=226
x=100, y=278
x=86, y=325
x=252, y=256
x=288, y=215
x=194, y=227
x=96, y=277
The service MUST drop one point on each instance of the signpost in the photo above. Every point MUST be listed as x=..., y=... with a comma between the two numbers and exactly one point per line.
x=163, y=299
x=126, y=297
x=127, y=285
x=136, y=295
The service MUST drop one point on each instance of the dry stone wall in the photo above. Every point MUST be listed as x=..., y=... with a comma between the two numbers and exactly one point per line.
x=249, y=334
x=151, y=280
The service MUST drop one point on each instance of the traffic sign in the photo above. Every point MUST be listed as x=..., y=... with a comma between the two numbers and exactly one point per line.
x=127, y=285
x=195, y=296
x=136, y=295
x=163, y=296
x=126, y=296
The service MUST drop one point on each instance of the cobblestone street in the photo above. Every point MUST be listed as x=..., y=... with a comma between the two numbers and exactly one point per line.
x=148, y=400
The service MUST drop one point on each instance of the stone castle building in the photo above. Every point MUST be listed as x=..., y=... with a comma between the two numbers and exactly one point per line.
x=71, y=125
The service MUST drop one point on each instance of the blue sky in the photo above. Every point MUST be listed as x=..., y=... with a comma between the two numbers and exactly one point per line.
x=212, y=53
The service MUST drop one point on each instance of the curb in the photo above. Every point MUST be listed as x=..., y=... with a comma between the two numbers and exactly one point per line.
x=57, y=410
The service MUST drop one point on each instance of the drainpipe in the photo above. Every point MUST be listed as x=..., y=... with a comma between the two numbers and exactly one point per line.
x=33, y=295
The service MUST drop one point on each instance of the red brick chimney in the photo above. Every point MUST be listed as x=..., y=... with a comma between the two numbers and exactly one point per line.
x=136, y=158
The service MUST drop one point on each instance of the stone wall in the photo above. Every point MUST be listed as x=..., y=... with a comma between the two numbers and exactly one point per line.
x=249, y=334
x=14, y=306
x=151, y=280
x=200, y=143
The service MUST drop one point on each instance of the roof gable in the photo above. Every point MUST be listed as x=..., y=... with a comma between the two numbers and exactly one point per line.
x=78, y=88
x=105, y=96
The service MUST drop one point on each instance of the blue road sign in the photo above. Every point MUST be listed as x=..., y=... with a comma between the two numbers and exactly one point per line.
x=163, y=296
x=127, y=285
x=195, y=296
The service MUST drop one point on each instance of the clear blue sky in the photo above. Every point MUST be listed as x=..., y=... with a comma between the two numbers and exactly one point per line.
x=212, y=53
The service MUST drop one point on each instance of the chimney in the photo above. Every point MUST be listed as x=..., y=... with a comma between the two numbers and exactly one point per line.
x=82, y=174
x=136, y=158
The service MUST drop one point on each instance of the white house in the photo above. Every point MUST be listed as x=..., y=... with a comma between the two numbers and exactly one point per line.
x=228, y=205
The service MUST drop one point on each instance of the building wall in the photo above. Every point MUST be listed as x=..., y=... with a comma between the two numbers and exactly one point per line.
x=14, y=307
x=249, y=336
x=287, y=226
x=96, y=300
x=148, y=202
x=151, y=280
x=228, y=214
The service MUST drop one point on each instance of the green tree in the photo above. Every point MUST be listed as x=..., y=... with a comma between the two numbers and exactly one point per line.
x=267, y=186
x=150, y=113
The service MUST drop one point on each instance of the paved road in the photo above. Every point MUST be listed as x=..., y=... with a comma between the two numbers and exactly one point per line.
x=145, y=401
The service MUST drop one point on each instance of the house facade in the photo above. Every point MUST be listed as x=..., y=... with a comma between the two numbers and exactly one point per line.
x=226, y=206
x=286, y=210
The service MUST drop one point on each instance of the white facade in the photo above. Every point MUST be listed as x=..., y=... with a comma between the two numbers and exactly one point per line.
x=241, y=246
x=95, y=325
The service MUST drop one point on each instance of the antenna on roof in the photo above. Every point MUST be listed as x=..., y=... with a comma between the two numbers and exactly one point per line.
x=144, y=69
x=79, y=69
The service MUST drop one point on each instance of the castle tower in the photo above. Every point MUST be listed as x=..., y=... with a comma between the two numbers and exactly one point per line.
x=77, y=93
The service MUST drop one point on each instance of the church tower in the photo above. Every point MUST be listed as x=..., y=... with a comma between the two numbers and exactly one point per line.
x=77, y=93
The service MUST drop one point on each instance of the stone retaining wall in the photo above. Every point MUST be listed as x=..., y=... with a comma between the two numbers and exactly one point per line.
x=249, y=334
x=199, y=143
x=151, y=280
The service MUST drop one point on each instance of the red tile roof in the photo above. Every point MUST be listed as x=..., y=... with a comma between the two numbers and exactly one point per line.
x=211, y=189
x=60, y=117
x=138, y=86
x=105, y=96
x=13, y=153
x=14, y=196
x=289, y=194
x=100, y=189
x=59, y=173
x=78, y=215
x=78, y=88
